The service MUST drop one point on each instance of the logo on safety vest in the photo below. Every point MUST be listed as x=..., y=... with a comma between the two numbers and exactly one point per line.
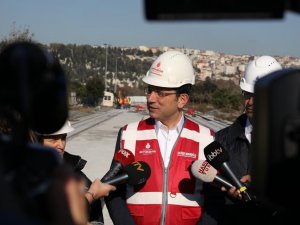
x=147, y=150
x=187, y=155
x=148, y=146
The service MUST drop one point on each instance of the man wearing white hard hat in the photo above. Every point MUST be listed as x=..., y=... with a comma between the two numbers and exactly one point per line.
x=228, y=206
x=168, y=142
x=96, y=189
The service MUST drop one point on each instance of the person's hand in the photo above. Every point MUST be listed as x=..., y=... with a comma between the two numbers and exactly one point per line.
x=98, y=190
x=234, y=192
x=246, y=179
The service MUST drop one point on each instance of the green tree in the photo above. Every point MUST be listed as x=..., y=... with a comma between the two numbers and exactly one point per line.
x=202, y=91
x=236, y=101
x=209, y=86
x=221, y=98
x=94, y=91
x=228, y=99
x=79, y=89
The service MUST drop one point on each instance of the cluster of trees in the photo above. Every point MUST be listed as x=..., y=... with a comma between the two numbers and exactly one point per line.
x=217, y=94
x=90, y=93
x=221, y=95
x=85, y=67
x=81, y=61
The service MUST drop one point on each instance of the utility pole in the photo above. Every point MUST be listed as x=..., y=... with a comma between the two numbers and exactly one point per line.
x=116, y=76
x=106, y=45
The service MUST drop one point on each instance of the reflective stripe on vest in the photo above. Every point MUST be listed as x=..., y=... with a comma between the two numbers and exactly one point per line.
x=140, y=138
x=156, y=197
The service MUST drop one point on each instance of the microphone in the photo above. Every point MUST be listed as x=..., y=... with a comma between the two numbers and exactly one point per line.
x=135, y=173
x=202, y=170
x=217, y=156
x=122, y=158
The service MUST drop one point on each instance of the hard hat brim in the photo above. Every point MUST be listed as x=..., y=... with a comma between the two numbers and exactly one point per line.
x=247, y=87
x=158, y=82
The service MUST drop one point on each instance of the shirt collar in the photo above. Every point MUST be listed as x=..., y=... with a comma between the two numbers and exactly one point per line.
x=179, y=126
x=248, y=127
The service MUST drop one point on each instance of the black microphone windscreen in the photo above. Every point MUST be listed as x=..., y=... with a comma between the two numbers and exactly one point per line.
x=215, y=154
x=138, y=172
x=116, y=167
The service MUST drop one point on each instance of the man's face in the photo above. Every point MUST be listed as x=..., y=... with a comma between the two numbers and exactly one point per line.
x=57, y=142
x=164, y=104
x=248, y=103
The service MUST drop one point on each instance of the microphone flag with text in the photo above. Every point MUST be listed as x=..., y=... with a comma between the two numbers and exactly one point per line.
x=202, y=170
x=218, y=157
x=135, y=173
x=122, y=158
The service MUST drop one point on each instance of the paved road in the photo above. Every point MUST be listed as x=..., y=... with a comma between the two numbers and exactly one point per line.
x=96, y=145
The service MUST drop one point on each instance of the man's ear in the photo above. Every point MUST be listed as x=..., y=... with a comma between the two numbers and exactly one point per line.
x=182, y=100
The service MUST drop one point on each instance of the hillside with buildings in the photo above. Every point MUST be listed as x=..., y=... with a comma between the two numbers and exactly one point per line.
x=125, y=66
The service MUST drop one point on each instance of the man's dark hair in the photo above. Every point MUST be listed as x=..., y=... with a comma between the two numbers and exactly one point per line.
x=184, y=89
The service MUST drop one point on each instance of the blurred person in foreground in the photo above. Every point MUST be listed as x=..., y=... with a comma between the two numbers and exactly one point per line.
x=224, y=207
x=96, y=189
x=168, y=142
x=36, y=188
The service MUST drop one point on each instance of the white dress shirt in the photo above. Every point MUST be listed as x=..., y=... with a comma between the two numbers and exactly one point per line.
x=167, y=138
x=248, y=130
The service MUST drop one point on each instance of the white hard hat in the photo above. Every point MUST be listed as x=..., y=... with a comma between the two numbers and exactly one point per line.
x=256, y=69
x=171, y=69
x=66, y=128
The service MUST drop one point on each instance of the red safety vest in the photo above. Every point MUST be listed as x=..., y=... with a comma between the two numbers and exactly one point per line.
x=170, y=196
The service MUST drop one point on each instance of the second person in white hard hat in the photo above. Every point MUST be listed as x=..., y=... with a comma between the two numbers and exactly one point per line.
x=168, y=142
x=227, y=207
x=94, y=190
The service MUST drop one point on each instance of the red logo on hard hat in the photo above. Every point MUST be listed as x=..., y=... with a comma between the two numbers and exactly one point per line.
x=157, y=70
